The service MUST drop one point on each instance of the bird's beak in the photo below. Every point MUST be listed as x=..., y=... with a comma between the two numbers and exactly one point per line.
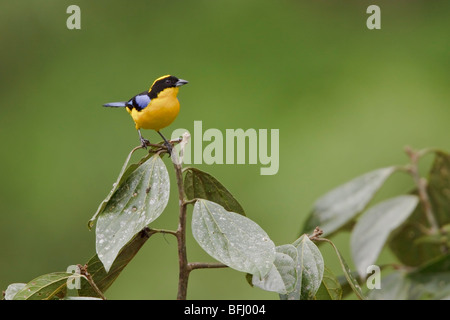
x=180, y=83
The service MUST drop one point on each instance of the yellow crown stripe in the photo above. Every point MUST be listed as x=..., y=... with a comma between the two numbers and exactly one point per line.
x=166, y=76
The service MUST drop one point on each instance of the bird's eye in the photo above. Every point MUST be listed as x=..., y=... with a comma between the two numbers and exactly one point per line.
x=168, y=81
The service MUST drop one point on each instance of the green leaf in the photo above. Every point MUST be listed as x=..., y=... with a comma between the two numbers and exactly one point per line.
x=138, y=201
x=329, y=289
x=82, y=298
x=232, y=239
x=430, y=281
x=46, y=287
x=282, y=276
x=12, y=289
x=199, y=184
x=405, y=243
x=347, y=272
x=124, y=173
x=103, y=279
x=431, y=239
x=439, y=264
x=309, y=267
x=439, y=188
x=346, y=288
x=339, y=206
x=394, y=286
x=374, y=227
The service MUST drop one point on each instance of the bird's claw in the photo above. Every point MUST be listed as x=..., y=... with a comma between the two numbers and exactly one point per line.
x=169, y=148
x=144, y=143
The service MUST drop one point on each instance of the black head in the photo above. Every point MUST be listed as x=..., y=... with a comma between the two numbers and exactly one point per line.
x=163, y=83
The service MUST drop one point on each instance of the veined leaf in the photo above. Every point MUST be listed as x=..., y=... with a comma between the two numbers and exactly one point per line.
x=330, y=289
x=137, y=201
x=232, y=239
x=309, y=267
x=282, y=276
x=199, y=184
x=46, y=287
x=124, y=173
x=340, y=205
x=374, y=227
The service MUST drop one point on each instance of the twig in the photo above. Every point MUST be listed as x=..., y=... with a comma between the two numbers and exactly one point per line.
x=316, y=234
x=88, y=277
x=192, y=201
x=421, y=184
x=183, y=276
x=205, y=265
x=164, y=231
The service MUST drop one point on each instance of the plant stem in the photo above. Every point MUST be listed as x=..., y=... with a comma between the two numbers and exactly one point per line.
x=183, y=276
x=205, y=265
x=88, y=277
x=164, y=231
x=421, y=184
x=184, y=266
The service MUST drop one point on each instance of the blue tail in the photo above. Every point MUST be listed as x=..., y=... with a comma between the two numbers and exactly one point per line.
x=121, y=104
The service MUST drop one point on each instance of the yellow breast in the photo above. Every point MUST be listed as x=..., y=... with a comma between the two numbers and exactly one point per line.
x=160, y=112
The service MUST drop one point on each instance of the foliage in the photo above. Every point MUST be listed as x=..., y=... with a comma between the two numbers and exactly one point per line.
x=415, y=226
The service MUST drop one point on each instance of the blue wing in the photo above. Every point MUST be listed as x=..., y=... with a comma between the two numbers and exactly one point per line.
x=139, y=101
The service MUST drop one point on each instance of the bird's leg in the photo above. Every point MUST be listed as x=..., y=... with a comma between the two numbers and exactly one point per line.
x=144, y=142
x=166, y=143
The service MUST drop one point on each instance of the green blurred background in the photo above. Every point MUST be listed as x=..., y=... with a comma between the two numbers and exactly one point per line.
x=345, y=99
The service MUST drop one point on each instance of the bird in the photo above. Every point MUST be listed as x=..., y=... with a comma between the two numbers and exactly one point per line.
x=154, y=109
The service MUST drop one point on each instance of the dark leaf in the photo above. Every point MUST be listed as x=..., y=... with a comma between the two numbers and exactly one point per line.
x=103, y=279
x=408, y=243
x=199, y=184
x=329, y=289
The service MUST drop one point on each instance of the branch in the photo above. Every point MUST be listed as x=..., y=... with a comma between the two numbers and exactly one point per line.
x=421, y=184
x=316, y=234
x=164, y=231
x=205, y=265
x=181, y=231
x=88, y=277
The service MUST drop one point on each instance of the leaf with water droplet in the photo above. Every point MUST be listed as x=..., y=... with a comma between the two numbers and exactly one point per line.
x=282, y=276
x=309, y=266
x=131, y=208
x=199, y=184
x=124, y=173
x=103, y=279
x=232, y=239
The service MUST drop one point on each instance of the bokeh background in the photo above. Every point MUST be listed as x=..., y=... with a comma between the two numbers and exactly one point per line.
x=345, y=99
